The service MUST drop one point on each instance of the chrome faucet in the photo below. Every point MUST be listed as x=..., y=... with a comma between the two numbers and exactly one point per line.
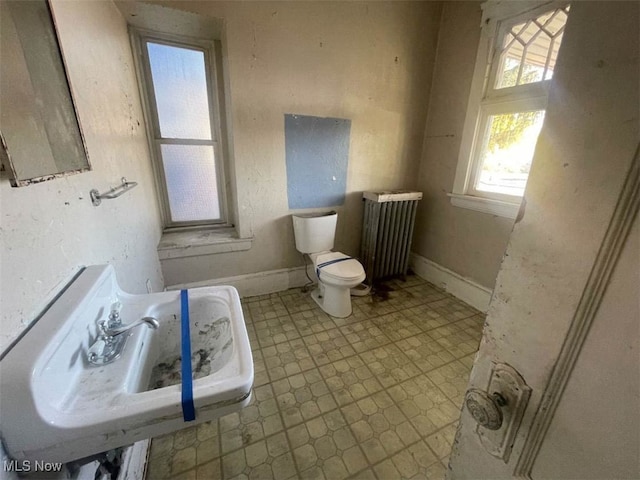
x=110, y=330
x=110, y=342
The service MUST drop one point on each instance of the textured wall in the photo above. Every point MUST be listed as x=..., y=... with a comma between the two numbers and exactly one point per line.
x=469, y=243
x=370, y=62
x=50, y=229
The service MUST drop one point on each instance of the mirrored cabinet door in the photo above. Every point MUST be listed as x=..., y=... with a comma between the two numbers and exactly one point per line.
x=41, y=135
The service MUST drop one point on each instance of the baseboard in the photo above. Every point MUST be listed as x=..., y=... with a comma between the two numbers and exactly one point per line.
x=253, y=284
x=272, y=281
x=465, y=289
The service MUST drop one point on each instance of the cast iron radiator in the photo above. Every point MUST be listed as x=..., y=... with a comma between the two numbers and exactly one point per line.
x=389, y=218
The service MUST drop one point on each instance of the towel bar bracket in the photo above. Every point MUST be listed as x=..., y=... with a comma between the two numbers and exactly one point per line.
x=115, y=192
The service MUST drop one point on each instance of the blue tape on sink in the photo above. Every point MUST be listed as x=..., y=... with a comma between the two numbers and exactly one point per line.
x=188, y=408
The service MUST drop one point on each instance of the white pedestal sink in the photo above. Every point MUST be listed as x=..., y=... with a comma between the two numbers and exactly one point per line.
x=57, y=406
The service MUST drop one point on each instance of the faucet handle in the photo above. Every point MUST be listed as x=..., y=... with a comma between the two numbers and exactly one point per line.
x=102, y=328
x=116, y=307
x=114, y=316
x=102, y=333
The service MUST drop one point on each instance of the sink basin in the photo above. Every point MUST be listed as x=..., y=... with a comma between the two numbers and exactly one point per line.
x=56, y=406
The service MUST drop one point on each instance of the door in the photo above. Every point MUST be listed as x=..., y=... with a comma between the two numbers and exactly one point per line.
x=565, y=311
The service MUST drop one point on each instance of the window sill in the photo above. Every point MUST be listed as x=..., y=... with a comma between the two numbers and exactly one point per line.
x=485, y=205
x=192, y=243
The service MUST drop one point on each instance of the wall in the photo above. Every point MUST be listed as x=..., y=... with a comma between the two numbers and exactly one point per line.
x=469, y=243
x=367, y=62
x=50, y=229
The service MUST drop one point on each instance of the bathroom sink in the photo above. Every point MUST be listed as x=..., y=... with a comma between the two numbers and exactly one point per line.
x=56, y=405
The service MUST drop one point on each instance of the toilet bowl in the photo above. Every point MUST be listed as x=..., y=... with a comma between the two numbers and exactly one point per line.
x=337, y=273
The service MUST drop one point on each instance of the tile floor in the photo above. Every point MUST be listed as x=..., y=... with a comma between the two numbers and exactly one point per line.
x=375, y=395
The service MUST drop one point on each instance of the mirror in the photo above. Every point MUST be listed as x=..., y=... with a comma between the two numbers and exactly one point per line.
x=39, y=128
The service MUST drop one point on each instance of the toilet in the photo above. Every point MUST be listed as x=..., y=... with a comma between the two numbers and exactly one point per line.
x=337, y=273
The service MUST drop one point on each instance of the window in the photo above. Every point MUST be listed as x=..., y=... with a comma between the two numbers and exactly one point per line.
x=179, y=85
x=514, y=67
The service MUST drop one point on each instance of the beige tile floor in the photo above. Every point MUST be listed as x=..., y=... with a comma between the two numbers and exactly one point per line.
x=374, y=395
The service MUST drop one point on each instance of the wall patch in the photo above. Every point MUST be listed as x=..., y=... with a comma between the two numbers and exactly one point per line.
x=317, y=154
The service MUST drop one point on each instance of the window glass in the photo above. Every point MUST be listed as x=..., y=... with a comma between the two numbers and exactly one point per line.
x=180, y=87
x=190, y=173
x=505, y=115
x=530, y=49
x=505, y=158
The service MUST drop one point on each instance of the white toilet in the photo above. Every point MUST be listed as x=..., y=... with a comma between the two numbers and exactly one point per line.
x=337, y=273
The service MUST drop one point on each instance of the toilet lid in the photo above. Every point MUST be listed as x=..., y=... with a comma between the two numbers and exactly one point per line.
x=344, y=270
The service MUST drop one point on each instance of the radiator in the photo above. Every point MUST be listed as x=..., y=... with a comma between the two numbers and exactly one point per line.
x=389, y=218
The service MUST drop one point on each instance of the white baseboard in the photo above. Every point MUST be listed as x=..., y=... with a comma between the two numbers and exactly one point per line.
x=273, y=281
x=259, y=283
x=465, y=289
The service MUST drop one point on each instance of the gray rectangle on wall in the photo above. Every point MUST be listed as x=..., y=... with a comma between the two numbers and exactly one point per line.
x=317, y=154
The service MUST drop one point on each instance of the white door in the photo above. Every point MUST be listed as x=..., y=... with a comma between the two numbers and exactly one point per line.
x=565, y=312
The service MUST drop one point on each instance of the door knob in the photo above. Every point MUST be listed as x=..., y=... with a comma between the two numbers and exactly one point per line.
x=498, y=409
x=486, y=409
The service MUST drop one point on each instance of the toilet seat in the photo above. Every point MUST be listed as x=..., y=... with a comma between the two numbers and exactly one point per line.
x=340, y=267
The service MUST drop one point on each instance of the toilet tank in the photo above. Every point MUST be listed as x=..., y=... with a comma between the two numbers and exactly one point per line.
x=314, y=232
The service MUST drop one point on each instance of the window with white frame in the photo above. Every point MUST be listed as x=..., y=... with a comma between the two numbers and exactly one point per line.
x=514, y=67
x=181, y=96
